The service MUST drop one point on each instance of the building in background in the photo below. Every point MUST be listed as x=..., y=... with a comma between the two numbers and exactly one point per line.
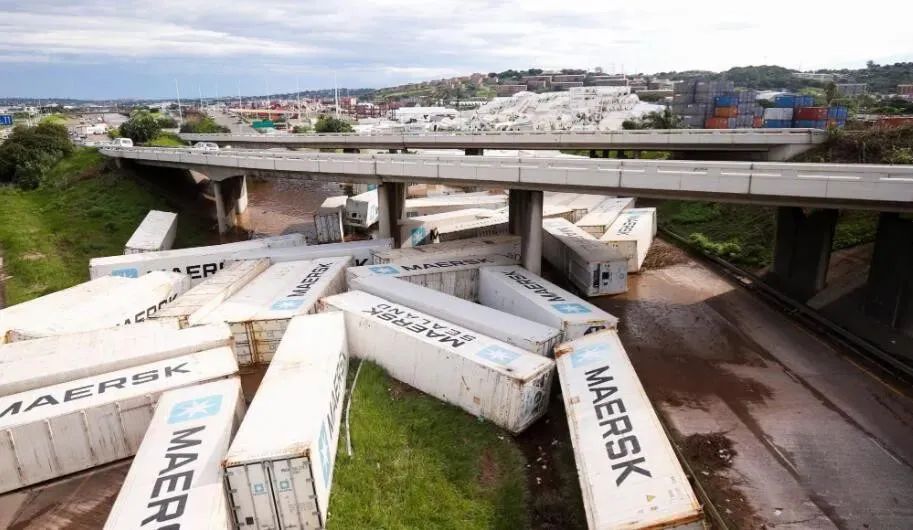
x=851, y=89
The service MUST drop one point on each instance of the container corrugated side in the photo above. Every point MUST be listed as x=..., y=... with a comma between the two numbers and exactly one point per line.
x=629, y=474
x=601, y=217
x=54, y=431
x=360, y=251
x=197, y=262
x=259, y=312
x=98, y=352
x=206, y=296
x=421, y=230
x=520, y=332
x=457, y=277
x=175, y=480
x=328, y=219
x=449, y=203
x=592, y=267
x=155, y=232
x=498, y=245
x=361, y=209
x=279, y=469
x=518, y=291
x=632, y=234
x=127, y=303
x=483, y=376
x=485, y=227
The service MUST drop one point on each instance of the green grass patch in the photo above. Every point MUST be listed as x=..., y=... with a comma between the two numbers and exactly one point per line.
x=420, y=463
x=82, y=163
x=166, y=139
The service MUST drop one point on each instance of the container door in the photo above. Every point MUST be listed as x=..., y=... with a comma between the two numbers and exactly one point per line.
x=296, y=499
x=250, y=497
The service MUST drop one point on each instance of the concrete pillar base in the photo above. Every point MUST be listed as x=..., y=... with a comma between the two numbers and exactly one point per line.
x=889, y=291
x=802, y=250
x=391, y=207
x=525, y=220
x=474, y=151
x=231, y=201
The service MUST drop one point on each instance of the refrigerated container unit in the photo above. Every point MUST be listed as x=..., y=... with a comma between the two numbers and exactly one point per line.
x=498, y=245
x=454, y=276
x=118, y=303
x=601, y=217
x=328, y=219
x=197, y=262
x=279, y=468
x=45, y=362
x=632, y=234
x=517, y=291
x=175, y=479
x=629, y=476
x=259, y=312
x=361, y=209
x=517, y=331
x=590, y=265
x=448, y=203
x=54, y=431
x=360, y=251
x=485, y=377
x=423, y=229
x=155, y=232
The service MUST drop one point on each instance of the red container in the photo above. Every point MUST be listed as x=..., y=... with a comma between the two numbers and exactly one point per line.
x=810, y=113
x=726, y=112
x=757, y=122
x=894, y=121
x=716, y=123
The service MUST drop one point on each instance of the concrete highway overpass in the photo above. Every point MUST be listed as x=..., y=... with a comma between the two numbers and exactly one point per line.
x=752, y=144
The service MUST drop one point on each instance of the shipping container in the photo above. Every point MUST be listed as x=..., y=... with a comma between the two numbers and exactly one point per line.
x=361, y=209
x=810, y=113
x=757, y=122
x=423, y=229
x=279, y=468
x=197, y=262
x=810, y=124
x=81, y=424
x=206, y=296
x=259, y=312
x=517, y=291
x=629, y=474
x=485, y=377
x=156, y=232
x=520, y=332
x=579, y=203
x=837, y=113
x=458, y=201
x=601, y=217
x=454, y=276
x=632, y=234
x=726, y=101
x=127, y=302
x=726, y=112
x=499, y=245
x=590, y=265
x=778, y=114
x=484, y=227
x=778, y=124
x=175, y=479
x=328, y=220
x=26, y=366
x=716, y=123
x=360, y=252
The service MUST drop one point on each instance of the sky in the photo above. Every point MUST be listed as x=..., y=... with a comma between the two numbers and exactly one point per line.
x=94, y=49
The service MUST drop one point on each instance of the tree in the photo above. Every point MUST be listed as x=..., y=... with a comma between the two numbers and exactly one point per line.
x=29, y=152
x=166, y=122
x=830, y=92
x=654, y=120
x=141, y=127
x=200, y=124
x=329, y=124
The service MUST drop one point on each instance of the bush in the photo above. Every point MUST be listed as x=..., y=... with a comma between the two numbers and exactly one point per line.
x=30, y=151
x=197, y=123
x=166, y=122
x=329, y=124
x=141, y=127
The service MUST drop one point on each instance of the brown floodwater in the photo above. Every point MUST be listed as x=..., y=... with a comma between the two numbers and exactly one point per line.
x=280, y=206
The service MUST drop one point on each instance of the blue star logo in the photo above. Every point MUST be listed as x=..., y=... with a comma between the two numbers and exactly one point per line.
x=195, y=409
x=571, y=308
x=418, y=234
x=287, y=304
x=498, y=355
x=384, y=269
x=259, y=488
x=325, y=453
x=589, y=354
x=125, y=273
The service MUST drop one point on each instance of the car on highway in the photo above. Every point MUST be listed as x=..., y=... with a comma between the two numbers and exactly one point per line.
x=122, y=142
x=206, y=146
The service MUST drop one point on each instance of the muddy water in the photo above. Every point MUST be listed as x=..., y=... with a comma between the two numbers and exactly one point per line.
x=281, y=206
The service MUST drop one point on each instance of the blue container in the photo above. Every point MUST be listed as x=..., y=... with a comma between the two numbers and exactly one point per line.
x=805, y=101
x=837, y=113
x=777, y=124
x=726, y=101
x=820, y=124
x=785, y=101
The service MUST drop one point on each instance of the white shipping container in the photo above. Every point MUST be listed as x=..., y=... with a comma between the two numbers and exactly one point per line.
x=206, y=296
x=360, y=251
x=517, y=291
x=361, y=209
x=132, y=301
x=259, y=312
x=457, y=201
x=632, y=234
x=778, y=114
x=581, y=203
x=197, y=262
x=498, y=245
x=279, y=468
x=629, y=474
x=601, y=216
x=175, y=480
x=457, y=277
x=590, y=265
x=483, y=376
x=54, y=431
x=328, y=220
x=520, y=332
x=421, y=230
x=156, y=232
x=484, y=227
x=88, y=354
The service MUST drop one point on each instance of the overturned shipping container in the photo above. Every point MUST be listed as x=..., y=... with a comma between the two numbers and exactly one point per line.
x=175, y=480
x=279, y=468
x=361, y=209
x=590, y=265
x=483, y=376
x=629, y=474
x=328, y=218
x=423, y=229
x=54, y=431
x=601, y=216
x=360, y=251
x=498, y=245
x=156, y=232
x=457, y=201
x=632, y=234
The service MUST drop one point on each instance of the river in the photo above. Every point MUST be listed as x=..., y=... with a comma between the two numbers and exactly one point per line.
x=280, y=206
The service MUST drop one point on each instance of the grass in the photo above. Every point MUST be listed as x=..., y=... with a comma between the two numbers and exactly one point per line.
x=420, y=463
x=166, y=140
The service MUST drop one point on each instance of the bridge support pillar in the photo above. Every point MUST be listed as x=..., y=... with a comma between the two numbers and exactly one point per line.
x=802, y=250
x=391, y=207
x=351, y=150
x=889, y=292
x=474, y=151
x=525, y=220
x=231, y=200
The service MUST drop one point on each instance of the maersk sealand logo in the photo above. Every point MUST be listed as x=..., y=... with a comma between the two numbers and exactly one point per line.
x=287, y=304
x=589, y=354
x=571, y=308
x=195, y=409
x=384, y=269
x=497, y=354
x=125, y=273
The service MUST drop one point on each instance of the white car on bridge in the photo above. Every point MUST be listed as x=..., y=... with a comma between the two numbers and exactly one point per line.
x=206, y=146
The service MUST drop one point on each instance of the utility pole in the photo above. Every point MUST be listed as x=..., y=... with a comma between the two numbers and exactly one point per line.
x=298, y=94
x=200, y=90
x=336, y=94
x=180, y=111
x=240, y=106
